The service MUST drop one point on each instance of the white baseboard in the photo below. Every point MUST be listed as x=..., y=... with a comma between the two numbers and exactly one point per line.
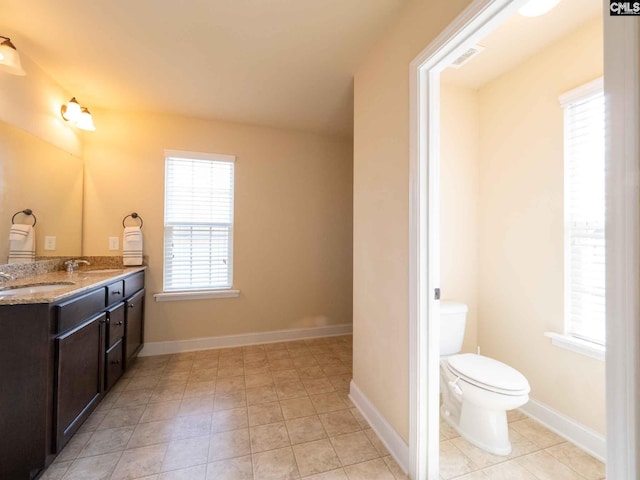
x=582, y=437
x=394, y=442
x=178, y=346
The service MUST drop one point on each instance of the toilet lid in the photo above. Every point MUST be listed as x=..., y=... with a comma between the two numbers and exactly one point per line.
x=488, y=373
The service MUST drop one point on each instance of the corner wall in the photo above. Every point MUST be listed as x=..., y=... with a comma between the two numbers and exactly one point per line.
x=293, y=220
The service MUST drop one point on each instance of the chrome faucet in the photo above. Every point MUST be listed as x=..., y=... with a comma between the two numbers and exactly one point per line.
x=73, y=264
x=5, y=276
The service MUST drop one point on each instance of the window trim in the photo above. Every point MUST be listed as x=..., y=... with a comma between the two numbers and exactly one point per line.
x=195, y=294
x=567, y=340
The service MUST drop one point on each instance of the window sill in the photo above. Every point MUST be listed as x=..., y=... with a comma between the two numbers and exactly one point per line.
x=577, y=345
x=195, y=295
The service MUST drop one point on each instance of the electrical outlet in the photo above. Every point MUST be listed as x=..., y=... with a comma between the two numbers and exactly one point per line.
x=49, y=243
x=114, y=243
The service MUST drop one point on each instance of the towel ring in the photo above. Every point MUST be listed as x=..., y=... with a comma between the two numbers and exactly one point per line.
x=133, y=215
x=26, y=211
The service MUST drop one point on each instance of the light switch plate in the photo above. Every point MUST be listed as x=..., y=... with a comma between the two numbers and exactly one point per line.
x=114, y=243
x=49, y=243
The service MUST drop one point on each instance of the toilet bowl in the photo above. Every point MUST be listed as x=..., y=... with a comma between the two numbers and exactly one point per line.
x=477, y=391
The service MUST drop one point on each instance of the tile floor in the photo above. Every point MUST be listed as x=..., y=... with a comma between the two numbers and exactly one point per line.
x=538, y=454
x=272, y=412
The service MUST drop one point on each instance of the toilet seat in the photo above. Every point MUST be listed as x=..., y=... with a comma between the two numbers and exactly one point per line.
x=487, y=373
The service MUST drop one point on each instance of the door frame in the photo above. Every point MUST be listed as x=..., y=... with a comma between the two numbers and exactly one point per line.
x=622, y=75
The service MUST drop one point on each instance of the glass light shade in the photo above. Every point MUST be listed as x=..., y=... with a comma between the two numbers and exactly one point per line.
x=86, y=121
x=71, y=112
x=9, y=59
x=536, y=8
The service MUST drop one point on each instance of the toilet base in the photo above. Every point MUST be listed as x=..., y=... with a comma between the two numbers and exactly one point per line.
x=486, y=429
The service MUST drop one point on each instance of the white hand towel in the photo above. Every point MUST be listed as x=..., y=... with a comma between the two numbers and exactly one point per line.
x=22, y=244
x=132, y=246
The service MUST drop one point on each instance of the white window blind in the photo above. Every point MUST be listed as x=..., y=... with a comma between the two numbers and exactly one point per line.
x=198, y=221
x=584, y=185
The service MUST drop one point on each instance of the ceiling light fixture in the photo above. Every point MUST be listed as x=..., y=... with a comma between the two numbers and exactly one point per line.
x=536, y=8
x=9, y=58
x=78, y=115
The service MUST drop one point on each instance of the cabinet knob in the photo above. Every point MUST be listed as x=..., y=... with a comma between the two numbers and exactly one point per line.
x=131, y=305
x=115, y=292
x=120, y=323
x=115, y=362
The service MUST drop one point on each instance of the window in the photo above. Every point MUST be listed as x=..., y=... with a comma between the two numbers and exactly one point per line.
x=198, y=221
x=584, y=213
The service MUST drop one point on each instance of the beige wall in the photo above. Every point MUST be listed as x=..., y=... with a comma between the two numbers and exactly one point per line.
x=293, y=220
x=459, y=183
x=521, y=225
x=381, y=208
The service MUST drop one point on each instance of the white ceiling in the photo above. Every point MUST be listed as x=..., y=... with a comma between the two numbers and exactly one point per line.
x=283, y=63
x=518, y=39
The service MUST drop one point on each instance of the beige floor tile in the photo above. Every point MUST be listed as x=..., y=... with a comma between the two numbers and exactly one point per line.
x=536, y=433
x=376, y=442
x=318, y=385
x=230, y=385
x=256, y=368
x=205, y=364
x=186, y=453
x=265, y=413
x=107, y=441
x=275, y=465
x=454, y=463
x=137, y=383
x=447, y=432
x=151, y=433
x=303, y=362
x=265, y=394
x=285, y=376
x=228, y=371
x=225, y=420
x=133, y=398
x=175, y=377
x=395, y=469
x=179, y=366
x=479, y=475
x=338, y=474
x=481, y=458
x=579, y=461
x=546, y=467
x=271, y=347
x=73, y=448
x=269, y=437
x=359, y=418
x=331, y=370
x=56, y=471
x=239, y=468
x=515, y=415
x=231, y=361
x=192, y=426
x=371, y=470
x=160, y=411
x=255, y=357
x=328, y=402
x=226, y=401
x=203, y=375
x=305, y=429
x=278, y=355
x=196, y=405
x=316, y=457
x=354, y=448
x=230, y=352
x=139, y=462
x=339, y=422
x=231, y=444
x=199, y=389
x=91, y=424
x=297, y=407
x=507, y=471
x=293, y=389
x=258, y=380
x=311, y=372
x=98, y=467
x=167, y=393
x=341, y=383
x=197, y=472
x=281, y=364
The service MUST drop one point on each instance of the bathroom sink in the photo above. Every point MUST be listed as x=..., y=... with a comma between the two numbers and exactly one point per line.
x=30, y=289
x=101, y=270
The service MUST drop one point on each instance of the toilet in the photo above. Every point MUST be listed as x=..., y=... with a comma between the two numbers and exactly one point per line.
x=476, y=390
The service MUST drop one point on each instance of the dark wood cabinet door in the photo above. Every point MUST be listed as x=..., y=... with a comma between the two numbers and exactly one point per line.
x=79, y=378
x=134, y=327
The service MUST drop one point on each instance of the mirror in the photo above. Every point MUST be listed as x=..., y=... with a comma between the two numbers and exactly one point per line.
x=37, y=175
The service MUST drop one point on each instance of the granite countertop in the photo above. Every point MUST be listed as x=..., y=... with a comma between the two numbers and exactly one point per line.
x=81, y=280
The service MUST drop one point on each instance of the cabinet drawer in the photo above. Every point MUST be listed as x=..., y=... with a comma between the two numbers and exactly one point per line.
x=115, y=292
x=77, y=310
x=133, y=283
x=115, y=324
x=114, y=365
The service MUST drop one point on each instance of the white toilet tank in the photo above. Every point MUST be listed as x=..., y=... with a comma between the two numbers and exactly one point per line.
x=453, y=319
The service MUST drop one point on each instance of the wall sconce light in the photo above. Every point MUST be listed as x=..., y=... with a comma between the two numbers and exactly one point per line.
x=9, y=58
x=76, y=114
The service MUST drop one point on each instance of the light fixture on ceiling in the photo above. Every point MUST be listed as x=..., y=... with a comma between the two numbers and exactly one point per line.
x=78, y=115
x=9, y=57
x=536, y=8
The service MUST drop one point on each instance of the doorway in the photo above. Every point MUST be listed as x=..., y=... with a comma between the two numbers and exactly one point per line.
x=622, y=231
